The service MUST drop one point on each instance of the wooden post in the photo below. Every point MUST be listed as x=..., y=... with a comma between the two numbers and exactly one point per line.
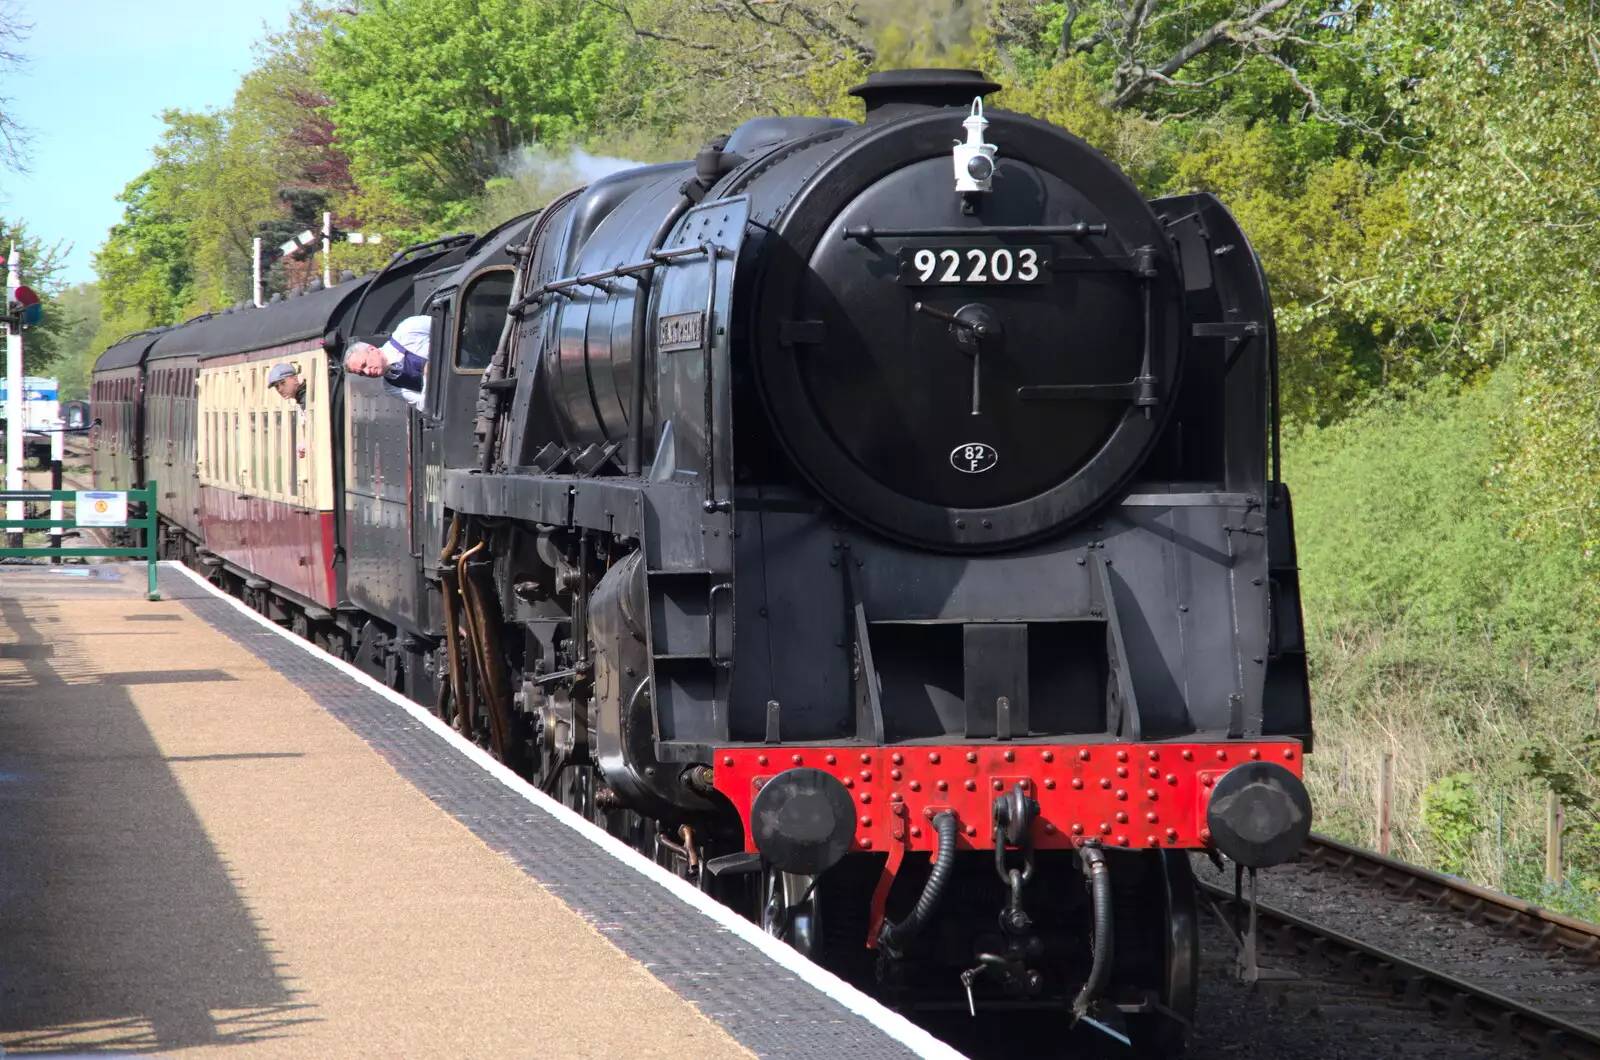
x=1385, y=801
x=1500, y=839
x=1555, y=823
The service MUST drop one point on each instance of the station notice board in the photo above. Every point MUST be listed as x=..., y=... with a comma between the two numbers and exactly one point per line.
x=102, y=508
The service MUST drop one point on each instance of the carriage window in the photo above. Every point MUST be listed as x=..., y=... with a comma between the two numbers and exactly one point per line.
x=277, y=452
x=483, y=316
x=294, y=456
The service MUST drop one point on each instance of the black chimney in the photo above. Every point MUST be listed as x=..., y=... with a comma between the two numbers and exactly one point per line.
x=891, y=93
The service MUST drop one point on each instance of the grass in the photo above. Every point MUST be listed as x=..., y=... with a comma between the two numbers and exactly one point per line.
x=1448, y=713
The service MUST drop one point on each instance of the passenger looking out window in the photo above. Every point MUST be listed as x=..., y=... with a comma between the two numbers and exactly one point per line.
x=285, y=379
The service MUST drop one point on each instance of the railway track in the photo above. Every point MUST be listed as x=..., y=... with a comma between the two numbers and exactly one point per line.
x=1446, y=996
x=1575, y=938
x=1463, y=990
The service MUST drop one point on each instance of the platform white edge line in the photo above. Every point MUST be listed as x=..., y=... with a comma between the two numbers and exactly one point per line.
x=818, y=978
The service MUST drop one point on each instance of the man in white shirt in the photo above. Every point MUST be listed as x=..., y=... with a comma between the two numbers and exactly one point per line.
x=401, y=362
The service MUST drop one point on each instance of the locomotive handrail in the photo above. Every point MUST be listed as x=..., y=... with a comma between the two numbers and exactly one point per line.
x=136, y=334
x=417, y=248
x=597, y=279
x=866, y=233
x=400, y=255
x=708, y=350
x=641, y=317
x=147, y=552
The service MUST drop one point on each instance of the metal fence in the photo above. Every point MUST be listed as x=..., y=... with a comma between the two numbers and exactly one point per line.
x=108, y=499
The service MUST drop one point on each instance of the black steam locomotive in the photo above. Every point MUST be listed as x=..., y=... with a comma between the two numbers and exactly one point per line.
x=878, y=523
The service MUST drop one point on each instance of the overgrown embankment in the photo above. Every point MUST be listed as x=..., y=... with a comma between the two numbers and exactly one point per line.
x=1440, y=638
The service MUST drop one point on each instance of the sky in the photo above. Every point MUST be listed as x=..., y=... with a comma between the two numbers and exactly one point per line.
x=100, y=72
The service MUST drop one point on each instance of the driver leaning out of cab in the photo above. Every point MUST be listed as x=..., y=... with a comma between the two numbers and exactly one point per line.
x=402, y=361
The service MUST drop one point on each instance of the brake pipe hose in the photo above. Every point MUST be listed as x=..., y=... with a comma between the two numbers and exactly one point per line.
x=893, y=938
x=1099, y=873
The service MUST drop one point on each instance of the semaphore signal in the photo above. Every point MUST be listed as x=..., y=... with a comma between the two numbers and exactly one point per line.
x=308, y=239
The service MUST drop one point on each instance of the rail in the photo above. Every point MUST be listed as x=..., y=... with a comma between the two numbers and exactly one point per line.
x=1441, y=992
x=107, y=501
x=1576, y=937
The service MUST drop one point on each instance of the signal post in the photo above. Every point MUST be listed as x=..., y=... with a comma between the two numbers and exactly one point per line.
x=22, y=310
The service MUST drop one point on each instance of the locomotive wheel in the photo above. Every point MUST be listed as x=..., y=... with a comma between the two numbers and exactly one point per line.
x=792, y=913
x=1175, y=965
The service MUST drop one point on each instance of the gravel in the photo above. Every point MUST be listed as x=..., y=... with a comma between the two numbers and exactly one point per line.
x=1474, y=951
x=1313, y=1015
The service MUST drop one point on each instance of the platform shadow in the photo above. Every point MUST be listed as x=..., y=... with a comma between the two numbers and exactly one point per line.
x=120, y=925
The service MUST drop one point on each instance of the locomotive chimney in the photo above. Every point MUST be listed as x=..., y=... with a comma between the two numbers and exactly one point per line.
x=892, y=93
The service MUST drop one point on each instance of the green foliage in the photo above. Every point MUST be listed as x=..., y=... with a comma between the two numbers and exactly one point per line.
x=1498, y=264
x=1566, y=771
x=1450, y=811
x=79, y=306
x=184, y=242
x=1438, y=636
x=431, y=97
x=220, y=179
x=145, y=267
x=1577, y=895
x=1313, y=223
x=1396, y=524
x=39, y=264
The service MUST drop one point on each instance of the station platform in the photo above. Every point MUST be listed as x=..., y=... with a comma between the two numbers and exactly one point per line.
x=216, y=840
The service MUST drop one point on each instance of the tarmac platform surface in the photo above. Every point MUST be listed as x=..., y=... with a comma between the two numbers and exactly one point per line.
x=216, y=840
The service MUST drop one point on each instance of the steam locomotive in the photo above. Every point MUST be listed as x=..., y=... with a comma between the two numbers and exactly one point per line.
x=878, y=523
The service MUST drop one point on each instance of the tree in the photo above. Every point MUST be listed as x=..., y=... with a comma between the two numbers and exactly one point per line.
x=1160, y=56
x=1498, y=266
x=265, y=166
x=736, y=58
x=40, y=265
x=14, y=137
x=79, y=308
x=1178, y=46
x=145, y=266
x=432, y=97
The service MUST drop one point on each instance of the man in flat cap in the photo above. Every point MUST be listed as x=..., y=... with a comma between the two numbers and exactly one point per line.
x=285, y=379
x=401, y=362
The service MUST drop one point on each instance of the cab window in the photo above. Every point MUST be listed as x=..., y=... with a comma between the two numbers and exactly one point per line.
x=483, y=317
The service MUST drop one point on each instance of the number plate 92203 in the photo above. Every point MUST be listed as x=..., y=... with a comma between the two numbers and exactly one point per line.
x=935, y=265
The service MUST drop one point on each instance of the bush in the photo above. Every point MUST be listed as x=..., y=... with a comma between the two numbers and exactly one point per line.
x=1398, y=527
x=1450, y=811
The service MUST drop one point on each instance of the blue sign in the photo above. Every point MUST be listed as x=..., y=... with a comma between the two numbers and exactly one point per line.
x=35, y=388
